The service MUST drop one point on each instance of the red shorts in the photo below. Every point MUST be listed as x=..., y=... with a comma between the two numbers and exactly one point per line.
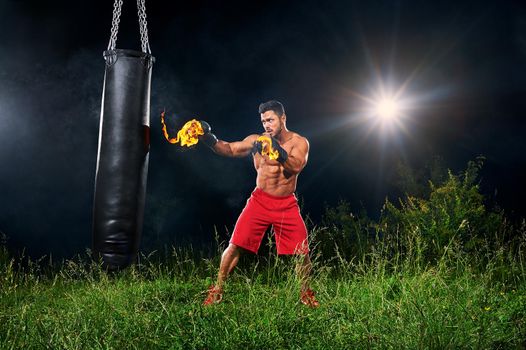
x=263, y=210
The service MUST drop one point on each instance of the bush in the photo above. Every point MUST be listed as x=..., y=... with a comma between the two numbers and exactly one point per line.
x=453, y=214
x=450, y=216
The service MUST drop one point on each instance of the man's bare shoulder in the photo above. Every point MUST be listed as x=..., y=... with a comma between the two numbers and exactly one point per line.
x=299, y=140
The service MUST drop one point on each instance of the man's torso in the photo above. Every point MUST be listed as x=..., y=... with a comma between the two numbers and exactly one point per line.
x=271, y=176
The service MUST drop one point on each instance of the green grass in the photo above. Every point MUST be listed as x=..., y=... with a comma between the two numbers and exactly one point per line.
x=435, y=272
x=374, y=303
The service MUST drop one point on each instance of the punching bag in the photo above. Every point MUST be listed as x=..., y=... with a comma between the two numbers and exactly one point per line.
x=123, y=150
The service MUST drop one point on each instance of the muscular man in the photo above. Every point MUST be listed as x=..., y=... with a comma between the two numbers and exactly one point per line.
x=273, y=201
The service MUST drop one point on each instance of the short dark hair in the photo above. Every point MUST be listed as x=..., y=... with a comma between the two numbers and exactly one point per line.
x=272, y=105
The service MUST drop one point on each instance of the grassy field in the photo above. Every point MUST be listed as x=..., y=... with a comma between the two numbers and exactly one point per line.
x=367, y=304
x=437, y=271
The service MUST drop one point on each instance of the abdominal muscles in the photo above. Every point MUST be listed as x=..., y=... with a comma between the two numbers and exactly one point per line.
x=272, y=179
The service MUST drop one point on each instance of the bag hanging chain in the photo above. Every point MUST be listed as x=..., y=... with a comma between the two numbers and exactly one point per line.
x=141, y=12
x=117, y=7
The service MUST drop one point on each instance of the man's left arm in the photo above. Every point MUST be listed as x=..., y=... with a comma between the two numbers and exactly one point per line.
x=297, y=157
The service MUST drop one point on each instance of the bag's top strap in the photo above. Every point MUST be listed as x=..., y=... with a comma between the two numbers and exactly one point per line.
x=141, y=11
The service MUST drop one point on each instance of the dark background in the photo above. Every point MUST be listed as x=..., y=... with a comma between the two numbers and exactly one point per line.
x=463, y=64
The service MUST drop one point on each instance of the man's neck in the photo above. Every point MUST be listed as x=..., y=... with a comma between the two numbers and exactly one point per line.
x=284, y=136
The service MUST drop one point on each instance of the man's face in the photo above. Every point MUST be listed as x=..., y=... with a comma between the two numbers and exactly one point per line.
x=272, y=123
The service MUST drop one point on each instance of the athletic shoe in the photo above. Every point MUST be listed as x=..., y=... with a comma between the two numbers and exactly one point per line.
x=215, y=296
x=307, y=298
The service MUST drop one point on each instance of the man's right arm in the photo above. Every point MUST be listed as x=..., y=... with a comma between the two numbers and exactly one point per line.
x=227, y=149
x=235, y=149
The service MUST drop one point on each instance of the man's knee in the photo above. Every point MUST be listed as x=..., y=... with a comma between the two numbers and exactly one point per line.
x=233, y=250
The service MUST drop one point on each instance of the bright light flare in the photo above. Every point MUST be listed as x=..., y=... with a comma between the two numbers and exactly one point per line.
x=387, y=109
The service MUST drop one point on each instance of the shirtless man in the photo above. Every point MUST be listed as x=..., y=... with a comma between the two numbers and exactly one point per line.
x=272, y=202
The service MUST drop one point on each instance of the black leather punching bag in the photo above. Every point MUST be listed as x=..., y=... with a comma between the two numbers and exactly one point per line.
x=122, y=162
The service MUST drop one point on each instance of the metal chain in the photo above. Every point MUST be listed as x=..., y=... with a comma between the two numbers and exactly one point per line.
x=141, y=10
x=117, y=8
